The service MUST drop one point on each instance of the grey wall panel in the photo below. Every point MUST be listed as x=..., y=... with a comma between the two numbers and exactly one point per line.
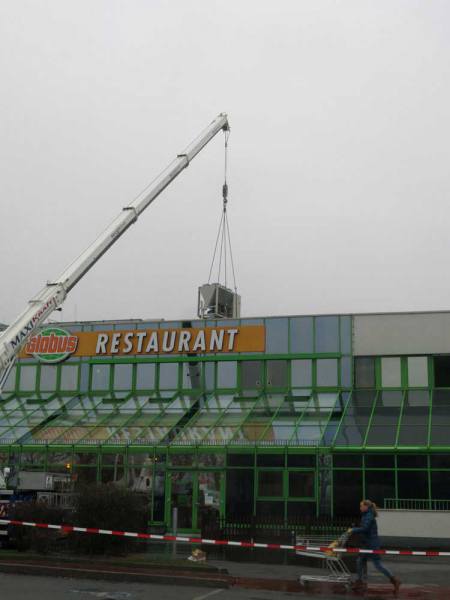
x=413, y=333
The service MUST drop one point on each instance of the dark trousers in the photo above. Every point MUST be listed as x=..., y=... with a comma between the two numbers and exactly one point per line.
x=361, y=566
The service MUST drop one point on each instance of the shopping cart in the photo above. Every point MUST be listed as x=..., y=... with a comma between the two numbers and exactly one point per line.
x=338, y=571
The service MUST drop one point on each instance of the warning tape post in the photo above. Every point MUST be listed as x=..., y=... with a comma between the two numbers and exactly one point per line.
x=194, y=540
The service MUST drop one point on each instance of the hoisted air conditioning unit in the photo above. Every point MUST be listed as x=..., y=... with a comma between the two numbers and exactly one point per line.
x=216, y=301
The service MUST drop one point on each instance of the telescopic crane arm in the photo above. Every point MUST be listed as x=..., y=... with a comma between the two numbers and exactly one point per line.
x=54, y=293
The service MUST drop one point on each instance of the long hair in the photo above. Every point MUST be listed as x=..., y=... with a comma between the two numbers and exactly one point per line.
x=371, y=505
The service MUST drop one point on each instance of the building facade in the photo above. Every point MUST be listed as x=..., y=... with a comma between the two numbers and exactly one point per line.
x=273, y=418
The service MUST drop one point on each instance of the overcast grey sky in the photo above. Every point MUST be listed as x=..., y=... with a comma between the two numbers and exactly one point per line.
x=339, y=151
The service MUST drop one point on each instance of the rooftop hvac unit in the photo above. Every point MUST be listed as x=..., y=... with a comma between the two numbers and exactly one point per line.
x=216, y=301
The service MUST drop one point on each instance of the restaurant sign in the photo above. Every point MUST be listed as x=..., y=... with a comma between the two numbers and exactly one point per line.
x=145, y=342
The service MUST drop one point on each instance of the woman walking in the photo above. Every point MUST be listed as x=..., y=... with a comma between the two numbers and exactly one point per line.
x=369, y=530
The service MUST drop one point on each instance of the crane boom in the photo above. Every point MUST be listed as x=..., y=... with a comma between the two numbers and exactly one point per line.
x=54, y=293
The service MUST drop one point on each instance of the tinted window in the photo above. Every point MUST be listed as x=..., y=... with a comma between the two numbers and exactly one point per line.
x=327, y=334
x=277, y=336
x=377, y=461
x=239, y=490
x=442, y=371
x=365, y=372
x=301, y=373
x=301, y=460
x=100, y=377
x=302, y=335
x=347, y=460
x=251, y=374
x=227, y=374
x=412, y=484
x=277, y=373
x=122, y=376
x=145, y=376
x=327, y=372
x=27, y=378
x=48, y=377
x=379, y=486
x=240, y=460
x=69, y=377
x=347, y=492
x=417, y=371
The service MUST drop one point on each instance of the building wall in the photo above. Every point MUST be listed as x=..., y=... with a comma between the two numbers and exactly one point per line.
x=412, y=333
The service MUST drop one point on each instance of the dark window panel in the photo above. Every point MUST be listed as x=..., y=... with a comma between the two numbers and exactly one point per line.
x=412, y=484
x=277, y=373
x=347, y=492
x=270, y=460
x=270, y=483
x=239, y=500
x=379, y=486
x=377, y=461
x=159, y=497
x=440, y=461
x=441, y=371
x=347, y=460
x=277, y=335
x=297, y=511
x=301, y=484
x=412, y=461
x=240, y=460
x=301, y=460
x=273, y=510
x=440, y=485
x=251, y=373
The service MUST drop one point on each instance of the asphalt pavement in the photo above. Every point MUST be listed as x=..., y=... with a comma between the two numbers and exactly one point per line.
x=28, y=587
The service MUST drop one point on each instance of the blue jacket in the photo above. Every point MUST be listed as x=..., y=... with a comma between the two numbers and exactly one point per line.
x=369, y=530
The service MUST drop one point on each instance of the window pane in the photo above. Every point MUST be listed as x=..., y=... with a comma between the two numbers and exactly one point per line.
x=10, y=383
x=69, y=377
x=346, y=371
x=226, y=374
x=411, y=461
x=302, y=335
x=208, y=374
x=270, y=483
x=417, y=371
x=365, y=372
x=327, y=334
x=168, y=375
x=301, y=373
x=383, y=428
x=100, y=377
x=251, y=374
x=301, y=484
x=440, y=485
x=27, y=378
x=239, y=490
x=240, y=460
x=277, y=336
x=415, y=417
x=412, y=484
x=270, y=510
x=270, y=460
x=122, y=377
x=277, y=373
x=298, y=510
x=390, y=372
x=145, y=376
x=327, y=373
x=441, y=371
x=440, y=461
x=378, y=461
x=379, y=486
x=347, y=460
x=440, y=424
x=301, y=460
x=48, y=378
x=346, y=335
x=347, y=492
x=353, y=428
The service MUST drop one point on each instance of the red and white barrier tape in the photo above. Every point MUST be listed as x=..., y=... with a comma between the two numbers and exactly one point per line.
x=194, y=540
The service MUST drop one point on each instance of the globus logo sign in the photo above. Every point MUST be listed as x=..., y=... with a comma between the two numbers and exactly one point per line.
x=52, y=345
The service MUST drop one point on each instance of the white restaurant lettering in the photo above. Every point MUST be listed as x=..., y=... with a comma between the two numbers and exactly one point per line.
x=149, y=342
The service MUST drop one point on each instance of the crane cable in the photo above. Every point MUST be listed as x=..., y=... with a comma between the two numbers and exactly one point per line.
x=223, y=233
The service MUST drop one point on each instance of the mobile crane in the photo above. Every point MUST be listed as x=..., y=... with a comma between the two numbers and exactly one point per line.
x=54, y=293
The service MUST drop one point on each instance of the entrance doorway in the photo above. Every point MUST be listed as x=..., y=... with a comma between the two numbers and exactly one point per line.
x=197, y=497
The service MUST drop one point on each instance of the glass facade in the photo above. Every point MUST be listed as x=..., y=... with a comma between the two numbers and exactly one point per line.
x=290, y=431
